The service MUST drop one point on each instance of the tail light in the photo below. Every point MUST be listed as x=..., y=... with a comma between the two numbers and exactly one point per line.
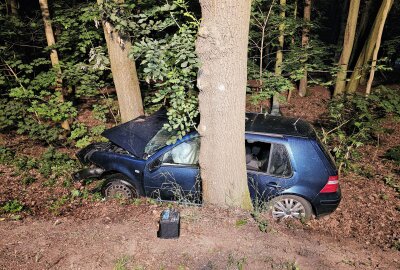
x=332, y=185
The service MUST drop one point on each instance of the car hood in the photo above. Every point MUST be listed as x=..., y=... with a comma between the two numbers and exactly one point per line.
x=134, y=135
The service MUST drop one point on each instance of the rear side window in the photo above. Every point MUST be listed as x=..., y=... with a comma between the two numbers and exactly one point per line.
x=268, y=158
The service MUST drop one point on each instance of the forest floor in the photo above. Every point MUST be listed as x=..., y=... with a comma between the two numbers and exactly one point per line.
x=52, y=233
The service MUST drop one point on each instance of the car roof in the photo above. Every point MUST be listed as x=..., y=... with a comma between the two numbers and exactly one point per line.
x=278, y=125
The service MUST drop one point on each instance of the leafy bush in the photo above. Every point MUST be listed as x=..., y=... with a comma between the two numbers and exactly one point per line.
x=393, y=154
x=355, y=120
x=55, y=164
x=13, y=206
x=6, y=155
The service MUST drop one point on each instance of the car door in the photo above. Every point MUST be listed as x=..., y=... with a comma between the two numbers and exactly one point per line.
x=279, y=174
x=269, y=169
x=174, y=174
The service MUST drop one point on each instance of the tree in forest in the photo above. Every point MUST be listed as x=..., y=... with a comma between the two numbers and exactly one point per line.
x=222, y=51
x=123, y=70
x=367, y=51
x=304, y=43
x=347, y=47
x=279, y=56
x=13, y=5
x=387, y=6
x=44, y=7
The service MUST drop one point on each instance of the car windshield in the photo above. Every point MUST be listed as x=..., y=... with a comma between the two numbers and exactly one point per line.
x=157, y=142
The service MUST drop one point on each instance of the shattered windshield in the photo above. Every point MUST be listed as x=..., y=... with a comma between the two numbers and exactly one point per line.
x=158, y=141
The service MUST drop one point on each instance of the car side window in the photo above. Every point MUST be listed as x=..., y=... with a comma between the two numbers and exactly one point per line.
x=186, y=153
x=268, y=158
x=280, y=163
x=257, y=155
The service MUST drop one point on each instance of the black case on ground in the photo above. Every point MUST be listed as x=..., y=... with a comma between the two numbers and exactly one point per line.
x=169, y=225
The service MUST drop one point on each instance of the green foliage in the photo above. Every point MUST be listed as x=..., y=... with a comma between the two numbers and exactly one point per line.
x=55, y=207
x=271, y=85
x=6, y=155
x=241, y=222
x=354, y=121
x=393, y=154
x=54, y=164
x=13, y=206
x=169, y=63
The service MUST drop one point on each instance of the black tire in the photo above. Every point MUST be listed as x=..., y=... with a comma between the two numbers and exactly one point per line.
x=117, y=186
x=290, y=207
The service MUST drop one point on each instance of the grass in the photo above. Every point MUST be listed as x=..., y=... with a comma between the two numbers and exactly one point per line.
x=121, y=263
x=241, y=222
x=55, y=206
x=236, y=263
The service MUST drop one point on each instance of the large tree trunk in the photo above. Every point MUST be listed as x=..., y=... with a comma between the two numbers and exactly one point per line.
x=44, y=7
x=124, y=73
x=348, y=42
x=304, y=43
x=366, y=53
x=388, y=5
x=222, y=50
x=279, y=56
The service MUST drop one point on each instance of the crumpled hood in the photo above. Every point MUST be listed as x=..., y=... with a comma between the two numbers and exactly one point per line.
x=134, y=135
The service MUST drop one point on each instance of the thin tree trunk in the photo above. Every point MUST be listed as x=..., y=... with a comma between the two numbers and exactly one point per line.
x=293, y=43
x=279, y=57
x=304, y=43
x=361, y=34
x=14, y=7
x=124, y=73
x=44, y=7
x=366, y=53
x=388, y=5
x=348, y=42
x=222, y=50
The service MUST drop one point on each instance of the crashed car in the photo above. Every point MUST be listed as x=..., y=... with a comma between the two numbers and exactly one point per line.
x=287, y=165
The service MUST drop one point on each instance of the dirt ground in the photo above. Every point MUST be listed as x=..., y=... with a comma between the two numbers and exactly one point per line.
x=86, y=234
x=109, y=235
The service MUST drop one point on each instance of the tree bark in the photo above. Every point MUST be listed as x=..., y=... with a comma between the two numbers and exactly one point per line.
x=304, y=43
x=366, y=53
x=279, y=57
x=44, y=7
x=362, y=29
x=124, y=73
x=221, y=47
x=348, y=43
x=14, y=7
x=388, y=5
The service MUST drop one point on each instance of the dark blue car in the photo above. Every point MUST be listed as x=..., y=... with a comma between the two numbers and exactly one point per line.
x=287, y=166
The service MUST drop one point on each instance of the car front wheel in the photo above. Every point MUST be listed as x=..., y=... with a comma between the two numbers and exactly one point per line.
x=117, y=187
x=290, y=207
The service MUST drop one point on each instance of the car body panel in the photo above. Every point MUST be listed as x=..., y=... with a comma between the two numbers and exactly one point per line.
x=310, y=168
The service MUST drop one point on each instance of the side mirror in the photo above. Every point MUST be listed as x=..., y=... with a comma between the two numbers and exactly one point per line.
x=155, y=164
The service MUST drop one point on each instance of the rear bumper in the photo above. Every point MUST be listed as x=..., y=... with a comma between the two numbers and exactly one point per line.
x=326, y=203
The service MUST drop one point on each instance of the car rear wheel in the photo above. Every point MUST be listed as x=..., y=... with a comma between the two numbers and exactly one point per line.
x=116, y=186
x=290, y=207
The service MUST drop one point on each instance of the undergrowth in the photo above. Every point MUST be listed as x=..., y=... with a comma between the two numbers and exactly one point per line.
x=353, y=121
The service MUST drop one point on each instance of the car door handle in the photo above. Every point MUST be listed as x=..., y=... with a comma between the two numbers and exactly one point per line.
x=273, y=184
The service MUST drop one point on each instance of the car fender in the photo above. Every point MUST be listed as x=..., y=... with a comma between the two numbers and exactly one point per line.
x=127, y=165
